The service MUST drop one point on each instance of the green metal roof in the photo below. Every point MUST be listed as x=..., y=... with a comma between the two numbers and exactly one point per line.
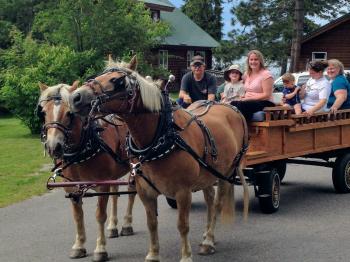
x=184, y=32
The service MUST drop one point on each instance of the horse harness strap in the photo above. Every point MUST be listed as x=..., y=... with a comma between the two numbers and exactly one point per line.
x=171, y=139
x=90, y=145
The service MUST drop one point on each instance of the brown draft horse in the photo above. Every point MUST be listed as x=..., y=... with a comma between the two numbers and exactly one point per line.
x=176, y=173
x=62, y=132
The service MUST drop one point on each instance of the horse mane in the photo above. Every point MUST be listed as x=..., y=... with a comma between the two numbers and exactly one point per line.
x=149, y=90
x=61, y=89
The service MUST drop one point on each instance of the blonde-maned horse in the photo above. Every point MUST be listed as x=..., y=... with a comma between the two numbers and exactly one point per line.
x=62, y=137
x=157, y=132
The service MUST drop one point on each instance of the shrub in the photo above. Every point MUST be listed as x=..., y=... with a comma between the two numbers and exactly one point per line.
x=27, y=63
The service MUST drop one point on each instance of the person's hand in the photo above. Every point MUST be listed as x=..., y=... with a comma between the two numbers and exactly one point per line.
x=333, y=110
x=284, y=100
x=309, y=113
x=187, y=99
x=297, y=89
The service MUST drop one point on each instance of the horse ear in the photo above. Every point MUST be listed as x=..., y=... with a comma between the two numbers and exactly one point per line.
x=43, y=87
x=133, y=63
x=74, y=86
x=110, y=59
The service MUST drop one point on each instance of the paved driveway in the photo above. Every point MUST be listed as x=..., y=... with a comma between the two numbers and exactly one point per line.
x=312, y=225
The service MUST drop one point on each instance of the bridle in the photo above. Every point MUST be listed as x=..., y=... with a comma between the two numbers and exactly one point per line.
x=124, y=89
x=65, y=129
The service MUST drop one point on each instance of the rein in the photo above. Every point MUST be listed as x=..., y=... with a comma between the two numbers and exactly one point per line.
x=167, y=135
x=89, y=145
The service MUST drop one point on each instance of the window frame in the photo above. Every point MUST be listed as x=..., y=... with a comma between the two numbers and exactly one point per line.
x=316, y=59
x=157, y=17
x=163, y=58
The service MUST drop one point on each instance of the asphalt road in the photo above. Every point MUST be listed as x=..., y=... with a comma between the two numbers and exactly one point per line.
x=312, y=225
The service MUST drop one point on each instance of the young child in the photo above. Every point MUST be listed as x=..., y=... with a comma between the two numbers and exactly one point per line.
x=234, y=88
x=291, y=93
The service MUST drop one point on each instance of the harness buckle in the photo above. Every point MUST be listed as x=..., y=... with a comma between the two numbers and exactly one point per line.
x=135, y=169
x=57, y=172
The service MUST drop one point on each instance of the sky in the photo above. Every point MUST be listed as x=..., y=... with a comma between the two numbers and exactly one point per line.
x=226, y=14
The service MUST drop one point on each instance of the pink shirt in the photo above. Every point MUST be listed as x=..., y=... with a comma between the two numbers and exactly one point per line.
x=253, y=83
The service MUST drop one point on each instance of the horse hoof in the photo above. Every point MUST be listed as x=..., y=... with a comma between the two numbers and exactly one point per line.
x=127, y=231
x=113, y=233
x=100, y=257
x=77, y=253
x=152, y=258
x=205, y=250
x=186, y=259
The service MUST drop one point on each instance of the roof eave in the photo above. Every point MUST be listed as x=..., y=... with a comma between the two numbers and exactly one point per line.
x=159, y=7
x=326, y=28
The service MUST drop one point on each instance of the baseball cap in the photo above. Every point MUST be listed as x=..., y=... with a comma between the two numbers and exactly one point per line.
x=197, y=59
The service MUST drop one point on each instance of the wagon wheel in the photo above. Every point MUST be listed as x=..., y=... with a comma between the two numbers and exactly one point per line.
x=341, y=174
x=171, y=202
x=281, y=169
x=269, y=185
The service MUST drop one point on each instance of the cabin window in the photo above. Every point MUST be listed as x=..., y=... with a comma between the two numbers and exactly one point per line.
x=192, y=53
x=155, y=14
x=163, y=58
x=319, y=56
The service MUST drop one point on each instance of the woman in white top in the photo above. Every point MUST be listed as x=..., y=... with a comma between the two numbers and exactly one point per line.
x=234, y=88
x=317, y=89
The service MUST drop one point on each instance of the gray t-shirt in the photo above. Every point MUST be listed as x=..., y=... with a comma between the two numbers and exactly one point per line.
x=198, y=90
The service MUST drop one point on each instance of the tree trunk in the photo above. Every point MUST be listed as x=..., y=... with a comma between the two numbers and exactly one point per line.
x=283, y=64
x=298, y=23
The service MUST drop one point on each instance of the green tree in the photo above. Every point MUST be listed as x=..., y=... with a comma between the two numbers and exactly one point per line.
x=27, y=63
x=267, y=25
x=21, y=13
x=207, y=14
x=109, y=27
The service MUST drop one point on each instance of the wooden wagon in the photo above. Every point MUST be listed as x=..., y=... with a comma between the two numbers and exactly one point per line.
x=321, y=140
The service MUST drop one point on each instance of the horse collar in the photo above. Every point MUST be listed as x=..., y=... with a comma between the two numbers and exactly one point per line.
x=163, y=141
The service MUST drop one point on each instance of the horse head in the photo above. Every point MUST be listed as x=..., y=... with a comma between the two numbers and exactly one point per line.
x=58, y=121
x=119, y=89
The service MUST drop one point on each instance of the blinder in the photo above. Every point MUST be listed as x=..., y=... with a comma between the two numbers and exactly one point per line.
x=39, y=113
x=123, y=87
x=54, y=124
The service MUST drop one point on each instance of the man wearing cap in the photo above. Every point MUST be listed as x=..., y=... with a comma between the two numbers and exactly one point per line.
x=197, y=84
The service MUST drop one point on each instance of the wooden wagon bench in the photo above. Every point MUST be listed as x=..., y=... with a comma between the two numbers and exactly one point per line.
x=282, y=137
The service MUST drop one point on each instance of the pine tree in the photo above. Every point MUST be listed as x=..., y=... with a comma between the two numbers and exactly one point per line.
x=273, y=25
x=207, y=14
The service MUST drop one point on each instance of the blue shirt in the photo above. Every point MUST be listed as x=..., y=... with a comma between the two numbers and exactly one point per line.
x=295, y=99
x=340, y=82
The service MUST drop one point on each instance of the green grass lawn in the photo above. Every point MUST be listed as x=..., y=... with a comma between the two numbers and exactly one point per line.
x=174, y=95
x=21, y=163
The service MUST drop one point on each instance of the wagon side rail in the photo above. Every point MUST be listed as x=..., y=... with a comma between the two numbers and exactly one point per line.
x=284, y=135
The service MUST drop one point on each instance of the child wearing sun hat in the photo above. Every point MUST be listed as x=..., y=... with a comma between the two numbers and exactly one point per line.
x=234, y=88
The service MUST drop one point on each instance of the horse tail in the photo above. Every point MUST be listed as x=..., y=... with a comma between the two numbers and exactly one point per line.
x=225, y=202
x=245, y=193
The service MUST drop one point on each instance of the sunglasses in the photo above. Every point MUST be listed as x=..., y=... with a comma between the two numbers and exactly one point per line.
x=285, y=81
x=197, y=65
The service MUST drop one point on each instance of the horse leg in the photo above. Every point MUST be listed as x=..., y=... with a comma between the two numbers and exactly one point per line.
x=207, y=247
x=184, y=200
x=224, y=202
x=150, y=204
x=127, y=229
x=78, y=249
x=100, y=253
x=113, y=218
